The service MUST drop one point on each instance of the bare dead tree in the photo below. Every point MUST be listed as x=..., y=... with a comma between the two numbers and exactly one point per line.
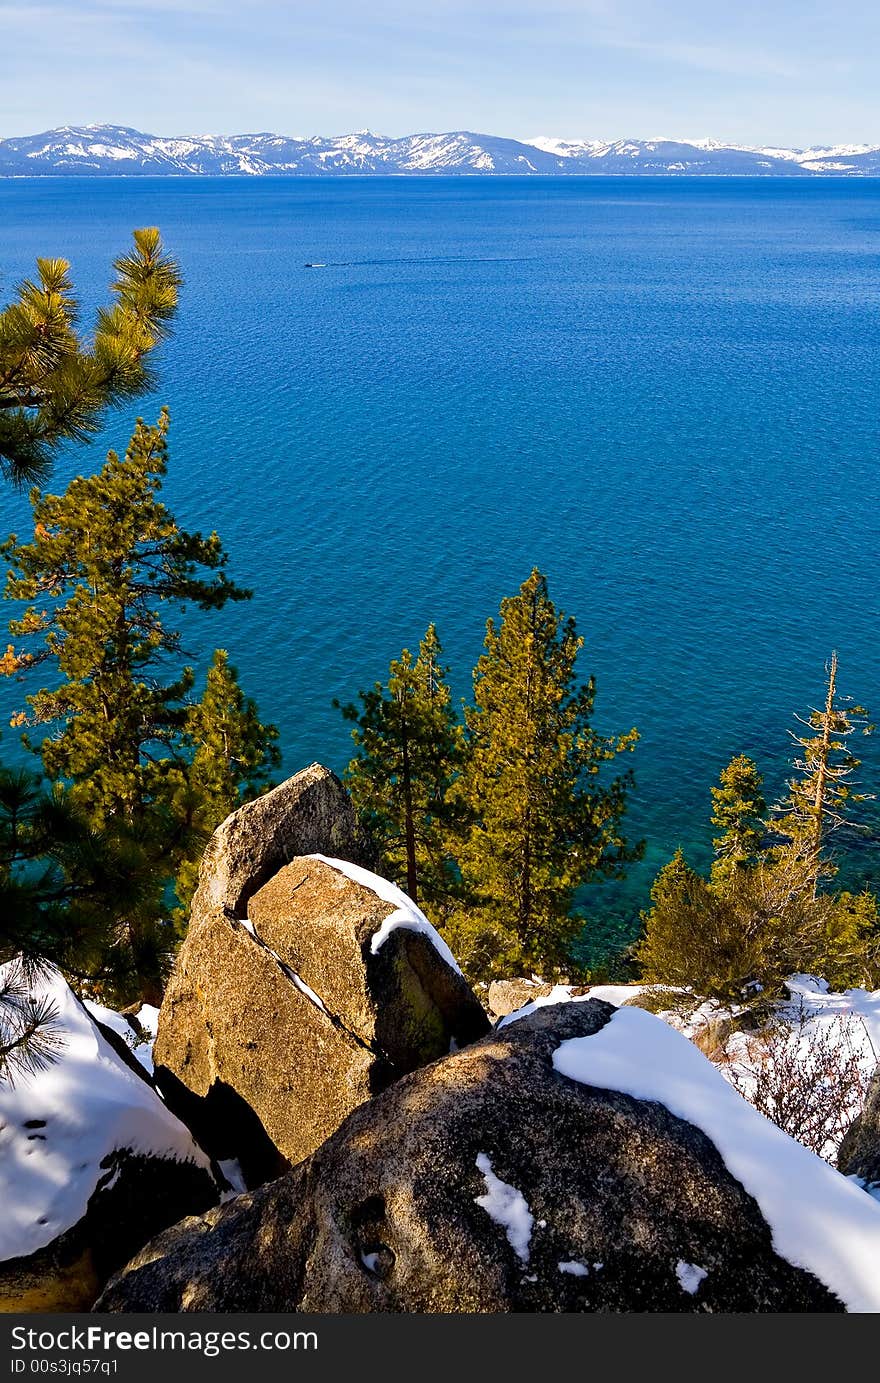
x=822, y=792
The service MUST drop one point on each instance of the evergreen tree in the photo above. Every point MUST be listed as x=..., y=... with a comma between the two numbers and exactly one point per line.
x=541, y=820
x=231, y=755
x=408, y=744
x=29, y=1036
x=759, y=917
x=55, y=386
x=62, y=883
x=106, y=562
x=106, y=558
x=738, y=812
x=739, y=936
x=821, y=794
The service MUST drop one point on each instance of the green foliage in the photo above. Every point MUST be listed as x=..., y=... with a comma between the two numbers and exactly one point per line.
x=760, y=916
x=539, y=819
x=231, y=755
x=55, y=386
x=850, y=946
x=29, y=1034
x=149, y=772
x=738, y=812
x=740, y=935
x=73, y=894
x=105, y=559
x=408, y=750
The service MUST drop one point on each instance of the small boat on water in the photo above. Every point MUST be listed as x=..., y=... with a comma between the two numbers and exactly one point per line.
x=311, y=265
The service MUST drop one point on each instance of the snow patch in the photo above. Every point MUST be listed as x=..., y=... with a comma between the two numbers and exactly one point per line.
x=689, y=1276
x=231, y=1169
x=819, y=1220
x=141, y=1049
x=508, y=1207
x=574, y=1269
x=148, y=1017
x=57, y=1126
x=561, y=994
x=406, y=914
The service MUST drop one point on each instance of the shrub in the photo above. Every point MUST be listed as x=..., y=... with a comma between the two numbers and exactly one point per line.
x=806, y=1076
x=744, y=931
x=660, y=999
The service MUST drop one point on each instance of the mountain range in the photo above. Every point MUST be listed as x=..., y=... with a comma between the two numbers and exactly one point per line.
x=96, y=150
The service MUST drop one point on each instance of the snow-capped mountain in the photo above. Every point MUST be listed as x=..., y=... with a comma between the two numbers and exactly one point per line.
x=118, y=150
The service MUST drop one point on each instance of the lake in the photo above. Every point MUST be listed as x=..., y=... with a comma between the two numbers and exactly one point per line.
x=663, y=392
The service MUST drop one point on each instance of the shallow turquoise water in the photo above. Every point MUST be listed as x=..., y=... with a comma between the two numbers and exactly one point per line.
x=664, y=393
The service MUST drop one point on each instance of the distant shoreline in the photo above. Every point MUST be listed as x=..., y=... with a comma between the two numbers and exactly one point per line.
x=799, y=178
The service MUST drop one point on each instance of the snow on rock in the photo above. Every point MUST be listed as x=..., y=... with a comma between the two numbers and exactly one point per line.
x=574, y=1269
x=689, y=1275
x=141, y=1047
x=406, y=913
x=562, y=994
x=820, y=1221
x=231, y=1169
x=508, y=1207
x=58, y=1125
x=148, y=1017
x=812, y=1026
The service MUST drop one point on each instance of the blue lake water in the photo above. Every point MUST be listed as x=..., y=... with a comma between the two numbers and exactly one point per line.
x=662, y=392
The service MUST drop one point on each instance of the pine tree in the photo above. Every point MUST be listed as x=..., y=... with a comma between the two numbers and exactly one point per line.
x=739, y=936
x=55, y=386
x=821, y=794
x=542, y=821
x=231, y=755
x=29, y=1036
x=738, y=812
x=106, y=562
x=62, y=882
x=759, y=917
x=408, y=744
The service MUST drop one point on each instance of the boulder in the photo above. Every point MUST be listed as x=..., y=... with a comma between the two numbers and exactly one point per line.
x=506, y=996
x=309, y=813
x=277, y=1025
x=92, y=1165
x=521, y=1174
x=859, y=1152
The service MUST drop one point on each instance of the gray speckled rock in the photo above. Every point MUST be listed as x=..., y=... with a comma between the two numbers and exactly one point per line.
x=624, y=1206
x=859, y=1153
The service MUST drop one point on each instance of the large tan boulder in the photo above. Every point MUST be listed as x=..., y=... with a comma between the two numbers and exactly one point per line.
x=579, y=1159
x=310, y=812
x=276, y=1025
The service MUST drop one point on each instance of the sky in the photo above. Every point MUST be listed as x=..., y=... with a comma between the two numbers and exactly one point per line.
x=788, y=72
